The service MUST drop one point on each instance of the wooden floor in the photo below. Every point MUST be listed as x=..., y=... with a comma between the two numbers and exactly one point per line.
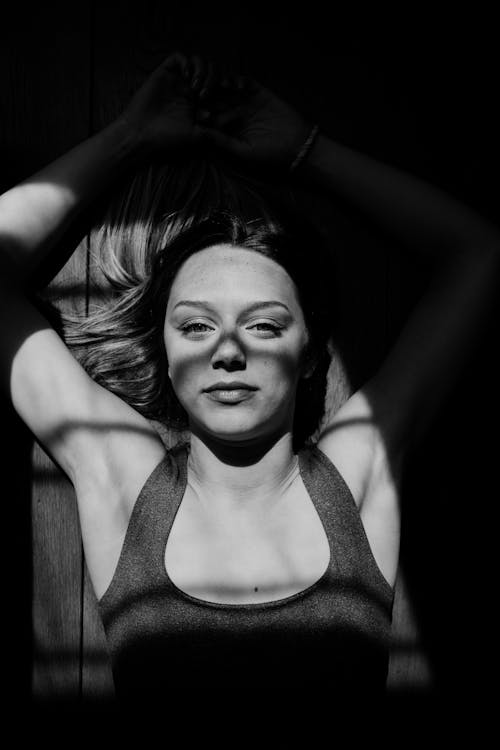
x=414, y=99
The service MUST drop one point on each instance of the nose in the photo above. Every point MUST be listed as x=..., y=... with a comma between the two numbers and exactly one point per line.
x=229, y=354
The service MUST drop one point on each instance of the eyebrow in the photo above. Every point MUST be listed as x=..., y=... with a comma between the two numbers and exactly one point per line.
x=250, y=308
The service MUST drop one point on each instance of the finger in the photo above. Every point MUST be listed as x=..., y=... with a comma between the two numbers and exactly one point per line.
x=230, y=81
x=203, y=76
x=179, y=62
x=212, y=77
x=239, y=87
x=197, y=73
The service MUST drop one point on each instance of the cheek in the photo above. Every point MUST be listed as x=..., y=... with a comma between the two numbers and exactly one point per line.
x=184, y=364
x=286, y=355
x=283, y=365
x=277, y=371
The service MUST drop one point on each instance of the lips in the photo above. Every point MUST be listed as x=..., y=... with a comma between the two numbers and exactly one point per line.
x=230, y=386
x=230, y=393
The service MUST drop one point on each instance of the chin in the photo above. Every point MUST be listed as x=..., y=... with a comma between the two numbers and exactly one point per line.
x=239, y=431
x=231, y=427
x=236, y=434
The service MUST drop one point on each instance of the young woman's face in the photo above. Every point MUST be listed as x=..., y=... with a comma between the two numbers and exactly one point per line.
x=233, y=317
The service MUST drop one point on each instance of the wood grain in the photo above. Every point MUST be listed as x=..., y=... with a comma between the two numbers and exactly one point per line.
x=44, y=84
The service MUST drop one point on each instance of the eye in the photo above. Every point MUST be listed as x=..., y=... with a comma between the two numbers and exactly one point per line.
x=272, y=329
x=196, y=329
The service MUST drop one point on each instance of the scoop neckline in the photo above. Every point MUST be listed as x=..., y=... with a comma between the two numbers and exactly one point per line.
x=241, y=605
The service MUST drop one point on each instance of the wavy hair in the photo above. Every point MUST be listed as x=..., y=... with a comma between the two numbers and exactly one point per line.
x=139, y=248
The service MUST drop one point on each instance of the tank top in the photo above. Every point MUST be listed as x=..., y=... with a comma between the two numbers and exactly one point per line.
x=335, y=633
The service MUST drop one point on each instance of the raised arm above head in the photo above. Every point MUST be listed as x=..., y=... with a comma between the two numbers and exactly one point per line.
x=104, y=445
x=370, y=434
x=157, y=123
x=462, y=251
x=258, y=129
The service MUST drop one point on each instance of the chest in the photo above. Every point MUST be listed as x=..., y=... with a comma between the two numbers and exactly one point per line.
x=247, y=554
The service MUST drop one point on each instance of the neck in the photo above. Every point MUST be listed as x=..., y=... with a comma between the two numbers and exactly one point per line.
x=241, y=472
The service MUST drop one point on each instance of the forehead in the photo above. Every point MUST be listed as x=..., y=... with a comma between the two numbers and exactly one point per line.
x=227, y=271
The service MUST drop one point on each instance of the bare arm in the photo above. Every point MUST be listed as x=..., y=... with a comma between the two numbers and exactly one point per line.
x=48, y=388
x=419, y=216
x=157, y=122
x=463, y=250
x=106, y=447
x=371, y=433
x=460, y=246
x=35, y=213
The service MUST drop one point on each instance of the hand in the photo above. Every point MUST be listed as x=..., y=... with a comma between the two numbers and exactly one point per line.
x=246, y=121
x=161, y=114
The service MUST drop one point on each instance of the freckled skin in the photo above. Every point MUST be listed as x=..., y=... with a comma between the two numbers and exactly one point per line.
x=228, y=343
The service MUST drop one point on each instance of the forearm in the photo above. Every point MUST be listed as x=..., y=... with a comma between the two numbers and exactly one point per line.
x=416, y=214
x=36, y=212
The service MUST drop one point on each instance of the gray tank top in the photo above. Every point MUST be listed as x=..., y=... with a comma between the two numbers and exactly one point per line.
x=335, y=633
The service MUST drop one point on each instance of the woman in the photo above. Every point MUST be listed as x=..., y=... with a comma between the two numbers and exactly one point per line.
x=241, y=559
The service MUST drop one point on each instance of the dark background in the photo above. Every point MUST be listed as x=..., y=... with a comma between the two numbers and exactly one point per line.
x=417, y=90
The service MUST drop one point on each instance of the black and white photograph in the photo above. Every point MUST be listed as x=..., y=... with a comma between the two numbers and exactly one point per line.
x=249, y=321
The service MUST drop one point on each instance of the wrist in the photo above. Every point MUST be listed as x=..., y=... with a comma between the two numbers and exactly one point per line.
x=310, y=158
x=127, y=146
x=304, y=148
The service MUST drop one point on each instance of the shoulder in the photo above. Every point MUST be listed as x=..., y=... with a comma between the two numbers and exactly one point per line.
x=354, y=442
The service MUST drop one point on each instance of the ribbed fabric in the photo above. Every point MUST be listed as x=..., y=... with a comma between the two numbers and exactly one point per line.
x=336, y=633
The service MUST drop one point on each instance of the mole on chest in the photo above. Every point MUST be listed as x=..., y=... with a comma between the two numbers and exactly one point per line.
x=247, y=560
